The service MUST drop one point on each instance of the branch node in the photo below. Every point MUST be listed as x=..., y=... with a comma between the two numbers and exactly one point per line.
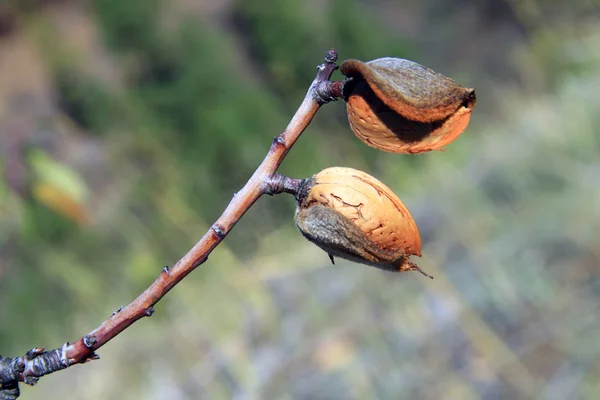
x=327, y=91
x=273, y=184
x=64, y=360
x=218, y=230
x=331, y=56
x=149, y=311
x=31, y=380
x=89, y=341
x=33, y=353
x=278, y=141
x=19, y=365
x=322, y=89
x=277, y=183
x=166, y=269
x=118, y=310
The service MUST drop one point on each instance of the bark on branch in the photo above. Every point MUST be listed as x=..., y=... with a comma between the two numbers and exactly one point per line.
x=38, y=362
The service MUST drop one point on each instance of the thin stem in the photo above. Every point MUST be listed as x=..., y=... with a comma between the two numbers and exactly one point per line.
x=278, y=183
x=82, y=350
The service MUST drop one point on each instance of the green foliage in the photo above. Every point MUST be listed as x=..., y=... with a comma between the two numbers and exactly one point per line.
x=358, y=35
x=131, y=25
x=285, y=39
x=87, y=103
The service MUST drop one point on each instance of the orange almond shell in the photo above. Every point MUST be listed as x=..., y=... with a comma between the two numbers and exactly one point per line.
x=371, y=205
x=400, y=106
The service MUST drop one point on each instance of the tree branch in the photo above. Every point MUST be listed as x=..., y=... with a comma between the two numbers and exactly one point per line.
x=37, y=362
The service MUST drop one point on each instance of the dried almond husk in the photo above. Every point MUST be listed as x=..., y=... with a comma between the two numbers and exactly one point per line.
x=400, y=106
x=352, y=215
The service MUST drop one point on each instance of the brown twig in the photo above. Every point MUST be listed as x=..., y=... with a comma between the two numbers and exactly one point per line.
x=37, y=362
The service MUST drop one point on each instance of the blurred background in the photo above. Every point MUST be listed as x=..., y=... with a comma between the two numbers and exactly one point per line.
x=126, y=127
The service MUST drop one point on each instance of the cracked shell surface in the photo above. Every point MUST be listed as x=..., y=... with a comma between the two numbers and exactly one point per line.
x=369, y=204
x=400, y=106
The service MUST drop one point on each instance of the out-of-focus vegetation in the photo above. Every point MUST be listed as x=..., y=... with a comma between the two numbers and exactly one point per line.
x=126, y=127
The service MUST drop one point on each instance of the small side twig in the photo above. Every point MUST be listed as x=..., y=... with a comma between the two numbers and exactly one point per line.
x=277, y=184
x=37, y=362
